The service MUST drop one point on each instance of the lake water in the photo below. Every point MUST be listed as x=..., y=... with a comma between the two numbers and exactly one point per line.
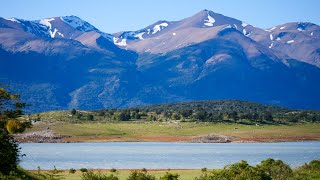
x=162, y=155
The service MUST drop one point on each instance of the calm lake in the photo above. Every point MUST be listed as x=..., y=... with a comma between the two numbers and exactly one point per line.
x=161, y=155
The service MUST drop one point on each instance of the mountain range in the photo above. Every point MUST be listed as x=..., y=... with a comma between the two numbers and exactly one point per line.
x=65, y=62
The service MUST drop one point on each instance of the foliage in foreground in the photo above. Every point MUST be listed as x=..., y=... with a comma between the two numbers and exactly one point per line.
x=10, y=110
x=266, y=170
x=90, y=175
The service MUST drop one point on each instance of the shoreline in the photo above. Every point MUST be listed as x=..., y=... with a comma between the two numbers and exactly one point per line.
x=191, y=142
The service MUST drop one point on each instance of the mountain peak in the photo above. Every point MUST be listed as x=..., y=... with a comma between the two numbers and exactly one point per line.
x=78, y=23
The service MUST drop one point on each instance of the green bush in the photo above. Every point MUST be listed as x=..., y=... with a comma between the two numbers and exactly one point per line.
x=83, y=169
x=204, y=170
x=113, y=170
x=72, y=171
x=241, y=170
x=276, y=169
x=308, y=171
x=90, y=175
x=135, y=175
x=169, y=176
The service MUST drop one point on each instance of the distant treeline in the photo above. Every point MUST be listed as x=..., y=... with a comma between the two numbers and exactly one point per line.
x=212, y=111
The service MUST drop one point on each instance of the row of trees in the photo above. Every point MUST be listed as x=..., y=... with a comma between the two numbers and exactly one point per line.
x=198, y=115
x=201, y=114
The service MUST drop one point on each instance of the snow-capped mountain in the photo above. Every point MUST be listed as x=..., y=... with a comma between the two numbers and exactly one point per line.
x=72, y=64
x=165, y=36
x=297, y=40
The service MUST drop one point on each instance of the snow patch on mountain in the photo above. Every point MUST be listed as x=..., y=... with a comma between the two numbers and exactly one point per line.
x=291, y=41
x=227, y=27
x=139, y=35
x=235, y=26
x=13, y=20
x=248, y=34
x=300, y=29
x=174, y=34
x=283, y=27
x=209, y=22
x=60, y=34
x=244, y=24
x=122, y=42
x=46, y=22
x=271, y=37
x=311, y=34
x=269, y=30
x=244, y=31
x=159, y=27
x=271, y=45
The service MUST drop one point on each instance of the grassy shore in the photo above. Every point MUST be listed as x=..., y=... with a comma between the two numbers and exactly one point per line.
x=176, y=131
x=185, y=174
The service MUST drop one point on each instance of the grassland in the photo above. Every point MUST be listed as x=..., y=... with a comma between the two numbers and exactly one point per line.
x=176, y=131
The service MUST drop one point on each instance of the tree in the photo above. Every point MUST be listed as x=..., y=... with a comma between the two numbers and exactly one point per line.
x=10, y=109
x=233, y=115
x=267, y=116
x=186, y=113
x=169, y=176
x=90, y=117
x=276, y=169
x=73, y=112
x=201, y=115
x=9, y=153
x=175, y=116
x=135, y=175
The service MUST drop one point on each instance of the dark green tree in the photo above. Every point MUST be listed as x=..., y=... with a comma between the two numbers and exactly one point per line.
x=90, y=117
x=201, y=115
x=276, y=169
x=10, y=108
x=73, y=112
x=186, y=113
x=268, y=116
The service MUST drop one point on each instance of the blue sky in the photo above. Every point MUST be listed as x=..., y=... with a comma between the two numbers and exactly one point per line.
x=115, y=15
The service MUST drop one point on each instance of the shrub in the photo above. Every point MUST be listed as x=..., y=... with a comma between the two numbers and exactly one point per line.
x=135, y=175
x=90, y=175
x=73, y=112
x=90, y=117
x=72, y=171
x=14, y=126
x=308, y=171
x=83, y=169
x=204, y=170
x=241, y=170
x=169, y=176
x=276, y=169
x=113, y=170
x=144, y=170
